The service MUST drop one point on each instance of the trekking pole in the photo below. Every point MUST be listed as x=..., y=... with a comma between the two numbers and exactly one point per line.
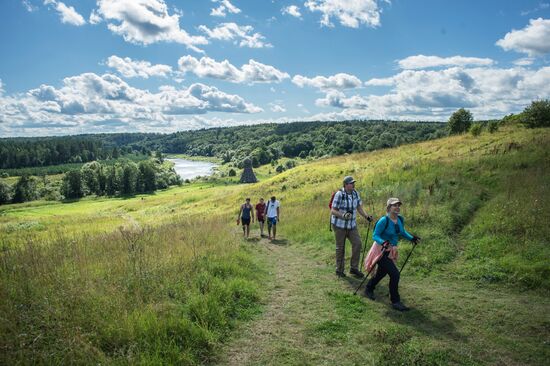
x=365, y=244
x=406, y=259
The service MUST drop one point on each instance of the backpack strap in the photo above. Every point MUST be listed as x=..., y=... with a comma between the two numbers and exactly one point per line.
x=399, y=217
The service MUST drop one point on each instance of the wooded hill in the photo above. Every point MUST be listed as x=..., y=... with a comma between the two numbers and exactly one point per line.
x=262, y=143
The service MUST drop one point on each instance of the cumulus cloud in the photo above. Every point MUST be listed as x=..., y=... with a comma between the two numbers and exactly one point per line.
x=425, y=62
x=434, y=94
x=534, y=39
x=292, y=10
x=67, y=13
x=224, y=8
x=349, y=13
x=251, y=73
x=241, y=35
x=199, y=99
x=338, y=81
x=88, y=101
x=144, y=22
x=130, y=68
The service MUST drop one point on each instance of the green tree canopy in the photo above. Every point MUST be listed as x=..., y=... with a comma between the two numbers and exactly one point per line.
x=460, y=121
x=537, y=114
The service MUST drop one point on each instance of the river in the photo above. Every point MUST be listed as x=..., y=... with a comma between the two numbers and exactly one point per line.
x=189, y=169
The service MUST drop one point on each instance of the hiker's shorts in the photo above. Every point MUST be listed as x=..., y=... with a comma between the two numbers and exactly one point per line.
x=271, y=221
x=245, y=221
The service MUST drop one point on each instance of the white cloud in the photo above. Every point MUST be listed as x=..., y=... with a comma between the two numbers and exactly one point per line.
x=525, y=61
x=130, y=68
x=29, y=6
x=94, y=18
x=434, y=94
x=541, y=6
x=534, y=39
x=251, y=73
x=68, y=14
x=94, y=103
x=277, y=107
x=424, y=62
x=240, y=35
x=338, y=81
x=224, y=7
x=144, y=22
x=349, y=13
x=292, y=10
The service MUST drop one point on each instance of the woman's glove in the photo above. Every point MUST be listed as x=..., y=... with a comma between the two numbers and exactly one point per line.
x=415, y=239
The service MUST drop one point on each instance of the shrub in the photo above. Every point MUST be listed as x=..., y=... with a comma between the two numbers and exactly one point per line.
x=232, y=172
x=537, y=114
x=493, y=126
x=476, y=128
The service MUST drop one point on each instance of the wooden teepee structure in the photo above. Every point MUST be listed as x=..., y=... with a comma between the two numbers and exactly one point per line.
x=248, y=175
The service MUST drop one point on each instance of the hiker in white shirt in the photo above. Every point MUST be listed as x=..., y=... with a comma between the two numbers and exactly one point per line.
x=272, y=213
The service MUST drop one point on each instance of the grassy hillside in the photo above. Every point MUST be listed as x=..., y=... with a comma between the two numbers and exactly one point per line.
x=164, y=277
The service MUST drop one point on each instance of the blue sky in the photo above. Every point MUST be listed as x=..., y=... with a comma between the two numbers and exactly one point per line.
x=73, y=67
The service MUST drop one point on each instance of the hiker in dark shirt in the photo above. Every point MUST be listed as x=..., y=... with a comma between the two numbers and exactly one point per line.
x=245, y=216
x=260, y=215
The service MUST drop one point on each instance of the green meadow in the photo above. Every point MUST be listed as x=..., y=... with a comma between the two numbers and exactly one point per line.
x=167, y=279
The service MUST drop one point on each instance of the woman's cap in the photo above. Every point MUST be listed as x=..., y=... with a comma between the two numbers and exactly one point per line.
x=393, y=201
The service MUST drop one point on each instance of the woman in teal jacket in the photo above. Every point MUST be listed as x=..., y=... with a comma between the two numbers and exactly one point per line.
x=386, y=233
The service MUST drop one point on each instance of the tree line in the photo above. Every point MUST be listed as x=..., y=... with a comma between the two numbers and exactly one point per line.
x=121, y=179
x=46, y=151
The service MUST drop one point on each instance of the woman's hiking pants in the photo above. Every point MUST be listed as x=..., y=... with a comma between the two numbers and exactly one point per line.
x=353, y=236
x=386, y=266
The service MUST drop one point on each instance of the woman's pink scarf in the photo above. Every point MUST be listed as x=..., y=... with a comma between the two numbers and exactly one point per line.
x=375, y=253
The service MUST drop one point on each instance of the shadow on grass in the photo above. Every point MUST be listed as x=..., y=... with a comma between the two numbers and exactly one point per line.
x=253, y=240
x=428, y=323
x=279, y=241
x=431, y=324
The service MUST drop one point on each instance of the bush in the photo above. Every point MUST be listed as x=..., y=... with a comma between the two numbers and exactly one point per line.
x=476, y=128
x=493, y=126
x=232, y=172
x=537, y=114
x=460, y=121
x=5, y=192
x=290, y=164
x=280, y=169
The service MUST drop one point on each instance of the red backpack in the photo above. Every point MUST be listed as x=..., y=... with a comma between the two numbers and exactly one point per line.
x=331, y=199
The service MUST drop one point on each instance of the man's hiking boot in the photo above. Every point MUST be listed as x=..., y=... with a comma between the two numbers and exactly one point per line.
x=399, y=306
x=340, y=274
x=370, y=294
x=357, y=273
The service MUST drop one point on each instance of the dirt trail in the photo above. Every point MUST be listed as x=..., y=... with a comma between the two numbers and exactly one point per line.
x=297, y=299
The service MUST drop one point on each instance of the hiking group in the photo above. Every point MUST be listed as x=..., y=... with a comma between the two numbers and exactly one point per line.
x=269, y=211
x=383, y=254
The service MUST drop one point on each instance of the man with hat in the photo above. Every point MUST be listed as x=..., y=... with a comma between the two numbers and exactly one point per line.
x=345, y=205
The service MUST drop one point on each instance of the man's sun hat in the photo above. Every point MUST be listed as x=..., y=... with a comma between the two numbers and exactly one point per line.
x=348, y=180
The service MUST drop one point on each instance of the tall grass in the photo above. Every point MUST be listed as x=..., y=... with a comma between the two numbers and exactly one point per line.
x=164, y=295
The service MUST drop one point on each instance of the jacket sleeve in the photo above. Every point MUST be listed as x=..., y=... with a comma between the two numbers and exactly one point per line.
x=404, y=232
x=378, y=230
